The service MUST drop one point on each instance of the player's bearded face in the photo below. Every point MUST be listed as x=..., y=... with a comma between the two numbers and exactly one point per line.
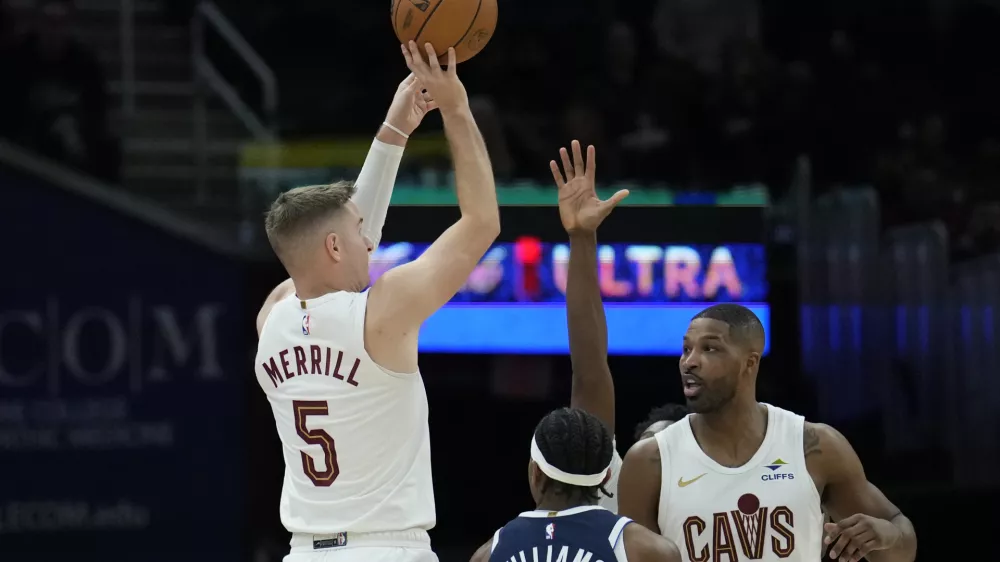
x=715, y=394
x=710, y=368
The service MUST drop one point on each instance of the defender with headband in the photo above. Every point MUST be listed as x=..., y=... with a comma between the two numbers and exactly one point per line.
x=571, y=458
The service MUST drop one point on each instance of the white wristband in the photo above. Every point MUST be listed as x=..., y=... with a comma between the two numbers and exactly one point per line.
x=392, y=128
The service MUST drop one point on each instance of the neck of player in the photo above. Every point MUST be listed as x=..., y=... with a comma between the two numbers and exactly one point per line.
x=560, y=502
x=307, y=289
x=740, y=424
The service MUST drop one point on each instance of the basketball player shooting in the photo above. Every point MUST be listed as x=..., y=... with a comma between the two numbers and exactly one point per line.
x=338, y=363
x=571, y=454
x=741, y=480
x=593, y=388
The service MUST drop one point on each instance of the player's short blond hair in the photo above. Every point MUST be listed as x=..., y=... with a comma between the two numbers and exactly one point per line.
x=299, y=210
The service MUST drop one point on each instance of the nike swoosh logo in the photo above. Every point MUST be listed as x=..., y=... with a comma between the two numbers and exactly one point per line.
x=682, y=483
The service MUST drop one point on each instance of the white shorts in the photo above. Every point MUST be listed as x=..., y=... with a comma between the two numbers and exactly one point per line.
x=406, y=546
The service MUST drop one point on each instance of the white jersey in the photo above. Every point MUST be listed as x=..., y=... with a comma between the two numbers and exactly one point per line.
x=611, y=503
x=768, y=509
x=354, y=436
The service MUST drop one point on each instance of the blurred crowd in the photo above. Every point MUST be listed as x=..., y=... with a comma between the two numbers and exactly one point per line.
x=697, y=95
x=53, y=100
x=711, y=94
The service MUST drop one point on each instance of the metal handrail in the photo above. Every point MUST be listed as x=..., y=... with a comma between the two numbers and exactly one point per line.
x=208, y=12
x=207, y=75
x=71, y=181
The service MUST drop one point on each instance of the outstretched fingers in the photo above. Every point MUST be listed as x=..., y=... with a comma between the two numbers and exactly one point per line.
x=608, y=205
x=432, y=58
x=415, y=61
x=557, y=174
x=566, y=164
x=592, y=163
x=578, y=163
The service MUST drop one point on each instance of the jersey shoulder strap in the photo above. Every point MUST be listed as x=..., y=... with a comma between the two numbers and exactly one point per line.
x=617, y=530
x=496, y=540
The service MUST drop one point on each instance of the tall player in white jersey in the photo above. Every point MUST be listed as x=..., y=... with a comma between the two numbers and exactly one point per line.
x=339, y=363
x=740, y=480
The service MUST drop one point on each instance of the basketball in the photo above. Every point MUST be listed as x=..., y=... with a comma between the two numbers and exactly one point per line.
x=466, y=25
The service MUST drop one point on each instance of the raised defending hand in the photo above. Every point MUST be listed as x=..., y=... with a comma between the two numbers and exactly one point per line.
x=855, y=537
x=443, y=85
x=579, y=207
x=409, y=105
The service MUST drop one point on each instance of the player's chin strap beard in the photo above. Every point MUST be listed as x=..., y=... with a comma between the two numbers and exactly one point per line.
x=585, y=480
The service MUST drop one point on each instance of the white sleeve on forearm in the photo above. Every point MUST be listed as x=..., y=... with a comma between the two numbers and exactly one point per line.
x=374, y=187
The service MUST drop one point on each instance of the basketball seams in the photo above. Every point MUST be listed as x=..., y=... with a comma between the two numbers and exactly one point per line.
x=414, y=24
x=416, y=38
x=472, y=23
x=395, y=12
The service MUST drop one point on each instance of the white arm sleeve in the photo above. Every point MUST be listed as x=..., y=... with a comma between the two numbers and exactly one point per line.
x=378, y=175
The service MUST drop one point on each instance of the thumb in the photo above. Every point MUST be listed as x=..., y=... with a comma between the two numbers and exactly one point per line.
x=614, y=200
x=413, y=86
x=407, y=82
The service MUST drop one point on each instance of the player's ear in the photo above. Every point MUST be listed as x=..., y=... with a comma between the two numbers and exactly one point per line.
x=752, y=361
x=332, y=246
x=535, y=479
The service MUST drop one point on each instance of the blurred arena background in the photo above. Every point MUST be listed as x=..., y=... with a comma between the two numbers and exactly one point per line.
x=838, y=161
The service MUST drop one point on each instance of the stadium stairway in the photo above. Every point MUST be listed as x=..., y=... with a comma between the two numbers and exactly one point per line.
x=158, y=137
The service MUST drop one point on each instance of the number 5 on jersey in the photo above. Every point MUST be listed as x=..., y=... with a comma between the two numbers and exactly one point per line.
x=304, y=409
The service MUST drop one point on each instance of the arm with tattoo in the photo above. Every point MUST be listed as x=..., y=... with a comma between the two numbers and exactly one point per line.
x=810, y=440
x=866, y=523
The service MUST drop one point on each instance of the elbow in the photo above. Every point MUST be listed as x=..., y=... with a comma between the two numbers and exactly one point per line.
x=908, y=547
x=486, y=226
x=492, y=227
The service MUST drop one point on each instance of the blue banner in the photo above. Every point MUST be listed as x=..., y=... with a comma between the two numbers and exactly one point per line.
x=514, y=302
x=120, y=392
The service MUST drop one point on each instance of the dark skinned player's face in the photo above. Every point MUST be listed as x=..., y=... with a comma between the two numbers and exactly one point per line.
x=710, y=366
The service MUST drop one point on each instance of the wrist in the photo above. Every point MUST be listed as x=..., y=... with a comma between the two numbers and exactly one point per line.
x=391, y=133
x=459, y=111
x=582, y=235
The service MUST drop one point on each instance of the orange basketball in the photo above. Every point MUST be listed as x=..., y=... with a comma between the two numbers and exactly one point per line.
x=466, y=25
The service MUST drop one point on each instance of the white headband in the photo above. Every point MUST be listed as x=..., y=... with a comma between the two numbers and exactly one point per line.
x=565, y=477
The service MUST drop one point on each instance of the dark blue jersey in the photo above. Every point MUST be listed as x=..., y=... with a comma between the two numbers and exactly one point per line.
x=587, y=533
